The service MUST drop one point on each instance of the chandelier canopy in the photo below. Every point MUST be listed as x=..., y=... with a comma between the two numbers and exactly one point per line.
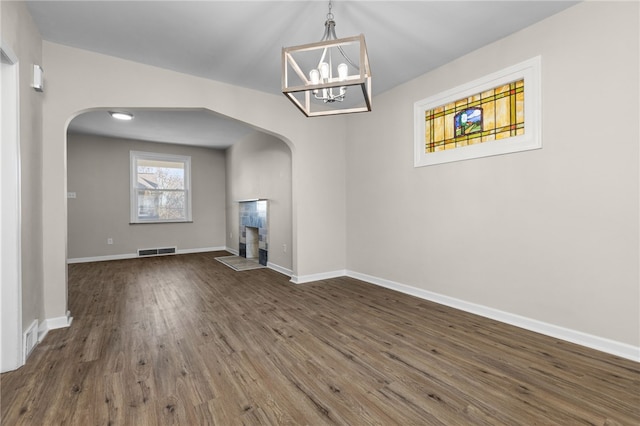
x=333, y=83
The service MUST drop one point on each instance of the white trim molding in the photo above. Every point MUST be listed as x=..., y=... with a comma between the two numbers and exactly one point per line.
x=281, y=269
x=529, y=71
x=102, y=258
x=200, y=250
x=135, y=255
x=53, y=324
x=11, y=349
x=154, y=160
x=232, y=251
x=303, y=279
x=612, y=347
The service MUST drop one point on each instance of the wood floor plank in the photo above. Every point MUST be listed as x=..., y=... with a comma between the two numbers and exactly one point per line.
x=186, y=340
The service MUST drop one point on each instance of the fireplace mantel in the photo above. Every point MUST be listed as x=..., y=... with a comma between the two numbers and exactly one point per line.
x=249, y=200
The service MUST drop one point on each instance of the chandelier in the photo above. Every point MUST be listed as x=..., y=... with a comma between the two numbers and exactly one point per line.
x=333, y=83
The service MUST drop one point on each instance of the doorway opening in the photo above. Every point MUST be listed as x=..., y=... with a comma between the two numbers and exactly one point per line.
x=12, y=356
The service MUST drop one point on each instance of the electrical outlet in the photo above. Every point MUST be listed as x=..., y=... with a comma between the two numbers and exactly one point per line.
x=109, y=240
x=284, y=248
x=230, y=235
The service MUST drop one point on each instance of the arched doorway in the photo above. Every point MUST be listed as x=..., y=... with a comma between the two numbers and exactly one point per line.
x=97, y=154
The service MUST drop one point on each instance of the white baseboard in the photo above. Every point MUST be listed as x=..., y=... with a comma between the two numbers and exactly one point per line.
x=302, y=279
x=613, y=347
x=278, y=268
x=101, y=258
x=232, y=251
x=52, y=324
x=135, y=255
x=201, y=250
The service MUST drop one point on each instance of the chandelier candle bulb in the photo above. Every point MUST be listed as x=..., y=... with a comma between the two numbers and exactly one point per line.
x=343, y=72
x=324, y=71
x=314, y=75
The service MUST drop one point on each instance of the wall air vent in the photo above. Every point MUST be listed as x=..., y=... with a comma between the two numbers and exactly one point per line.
x=30, y=339
x=156, y=251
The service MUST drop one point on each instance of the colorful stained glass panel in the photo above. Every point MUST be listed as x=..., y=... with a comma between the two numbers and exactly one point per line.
x=490, y=115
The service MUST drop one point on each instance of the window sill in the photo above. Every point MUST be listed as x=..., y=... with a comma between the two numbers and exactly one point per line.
x=160, y=222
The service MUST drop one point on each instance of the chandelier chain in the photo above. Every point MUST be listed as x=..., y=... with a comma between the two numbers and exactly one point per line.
x=330, y=34
x=330, y=14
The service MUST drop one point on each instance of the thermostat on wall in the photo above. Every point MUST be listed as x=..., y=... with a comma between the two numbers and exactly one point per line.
x=38, y=84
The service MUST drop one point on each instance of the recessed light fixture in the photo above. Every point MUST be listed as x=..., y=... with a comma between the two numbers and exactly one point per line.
x=119, y=115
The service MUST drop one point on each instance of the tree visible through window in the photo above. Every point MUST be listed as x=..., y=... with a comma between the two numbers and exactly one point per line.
x=160, y=187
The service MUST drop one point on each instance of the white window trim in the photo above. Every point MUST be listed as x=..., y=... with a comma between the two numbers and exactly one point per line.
x=137, y=155
x=530, y=71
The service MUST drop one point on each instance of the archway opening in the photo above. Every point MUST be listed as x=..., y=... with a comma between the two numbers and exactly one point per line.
x=231, y=160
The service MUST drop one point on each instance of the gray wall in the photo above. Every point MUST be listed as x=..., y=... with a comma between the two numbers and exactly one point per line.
x=80, y=80
x=550, y=235
x=21, y=35
x=98, y=171
x=260, y=167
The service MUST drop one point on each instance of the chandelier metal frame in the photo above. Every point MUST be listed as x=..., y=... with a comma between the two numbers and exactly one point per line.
x=322, y=92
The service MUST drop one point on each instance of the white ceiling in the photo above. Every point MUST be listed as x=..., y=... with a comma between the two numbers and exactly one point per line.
x=240, y=42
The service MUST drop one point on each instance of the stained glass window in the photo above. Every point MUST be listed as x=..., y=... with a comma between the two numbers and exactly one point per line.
x=468, y=121
x=494, y=114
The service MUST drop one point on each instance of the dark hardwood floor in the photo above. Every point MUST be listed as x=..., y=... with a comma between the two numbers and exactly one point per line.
x=186, y=340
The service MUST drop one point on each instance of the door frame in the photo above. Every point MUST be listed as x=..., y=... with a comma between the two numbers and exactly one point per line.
x=12, y=353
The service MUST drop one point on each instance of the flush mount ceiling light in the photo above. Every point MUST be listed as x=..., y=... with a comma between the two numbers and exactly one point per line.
x=329, y=77
x=119, y=115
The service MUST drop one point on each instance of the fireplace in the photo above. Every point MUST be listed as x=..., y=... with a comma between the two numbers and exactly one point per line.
x=253, y=230
x=252, y=238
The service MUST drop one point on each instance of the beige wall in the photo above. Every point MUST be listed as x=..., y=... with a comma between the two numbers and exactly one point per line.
x=550, y=235
x=98, y=172
x=259, y=166
x=78, y=81
x=21, y=35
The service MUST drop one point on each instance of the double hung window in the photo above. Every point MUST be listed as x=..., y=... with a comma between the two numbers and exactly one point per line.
x=160, y=187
